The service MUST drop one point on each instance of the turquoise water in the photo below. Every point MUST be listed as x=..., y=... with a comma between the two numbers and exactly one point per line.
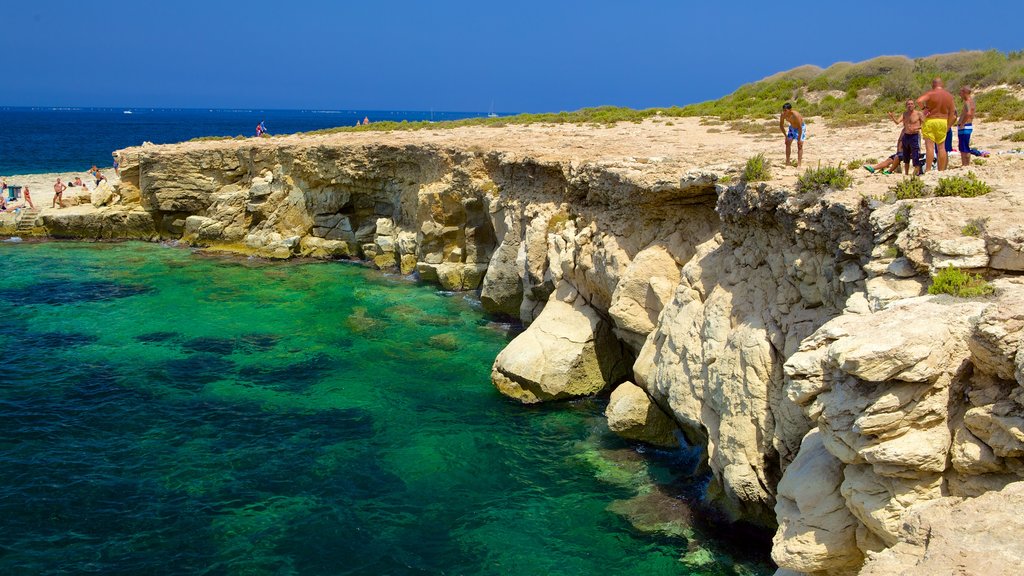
x=168, y=412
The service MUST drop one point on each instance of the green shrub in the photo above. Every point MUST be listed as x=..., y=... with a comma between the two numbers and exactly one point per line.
x=757, y=169
x=1017, y=136
x=963, y=186
x=956, y=282
x=974, y=227
x=827, y=178
x=909, y=188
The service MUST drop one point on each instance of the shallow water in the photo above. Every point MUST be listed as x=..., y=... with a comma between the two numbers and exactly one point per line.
x=167, y=412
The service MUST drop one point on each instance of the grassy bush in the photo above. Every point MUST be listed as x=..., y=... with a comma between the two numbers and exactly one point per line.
x=827, y=178
x=909, y=188
x=956, y=282
x=757, y=169
x=1017, y=136
x=974, y=227
x=963, y=186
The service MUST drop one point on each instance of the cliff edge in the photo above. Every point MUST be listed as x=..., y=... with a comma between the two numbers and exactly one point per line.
x=786, y=331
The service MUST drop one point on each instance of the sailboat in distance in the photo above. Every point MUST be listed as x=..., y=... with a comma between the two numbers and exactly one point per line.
x=491, y=114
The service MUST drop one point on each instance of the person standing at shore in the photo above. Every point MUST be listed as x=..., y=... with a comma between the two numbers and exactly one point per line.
x=965, y=126
x=938, y=105
x=28, y=197
x=58, y=191
x=97, y=175
x=797, y=131
x=910, y=138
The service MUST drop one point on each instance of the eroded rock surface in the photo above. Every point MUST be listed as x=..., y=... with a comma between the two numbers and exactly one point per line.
x=789, y=335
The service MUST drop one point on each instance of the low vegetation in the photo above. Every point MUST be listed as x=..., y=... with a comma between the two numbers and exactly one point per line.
x=909, y=189
x=851, y=93
x=956, y=282
x=962, y=186
x=974, y=227
x=845, y=93
x=757, y=169
x=820, y=179
x=1017, y=136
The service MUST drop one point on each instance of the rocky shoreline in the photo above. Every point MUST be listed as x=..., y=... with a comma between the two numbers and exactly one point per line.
x=790, y=335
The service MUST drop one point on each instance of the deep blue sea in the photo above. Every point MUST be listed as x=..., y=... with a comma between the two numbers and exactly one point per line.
x=40, y=140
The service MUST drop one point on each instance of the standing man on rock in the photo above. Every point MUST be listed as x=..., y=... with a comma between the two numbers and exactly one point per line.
x=965, y=126
x=58, y=194
x=939, y=109
x=910, y=138
x=797, y=131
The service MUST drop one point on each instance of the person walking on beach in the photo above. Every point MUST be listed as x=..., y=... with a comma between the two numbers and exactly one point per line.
x=965, y=126
x=797, y=131
x=58, y=191
x=938, y=106
x=910, y=138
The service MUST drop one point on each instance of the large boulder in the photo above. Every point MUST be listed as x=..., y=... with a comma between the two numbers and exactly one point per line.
x=568, y=351
x=633, y=415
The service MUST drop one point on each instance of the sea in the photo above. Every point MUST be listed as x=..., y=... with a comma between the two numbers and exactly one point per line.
x=164, y=410
x=43, y=140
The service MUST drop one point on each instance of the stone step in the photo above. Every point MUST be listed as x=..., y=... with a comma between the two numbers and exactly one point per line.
x=27, y=219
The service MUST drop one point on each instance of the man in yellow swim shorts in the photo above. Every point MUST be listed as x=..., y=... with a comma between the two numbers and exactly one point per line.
x=939, y=108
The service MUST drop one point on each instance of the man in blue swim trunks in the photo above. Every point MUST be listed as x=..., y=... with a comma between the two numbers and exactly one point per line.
x=965, y=126
x=797, y=131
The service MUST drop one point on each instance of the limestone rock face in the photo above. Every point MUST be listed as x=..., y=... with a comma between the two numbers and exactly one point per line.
x=109, y=223
x=785, y=333
x=568, y=351
x=955, y=536
x=646, y=286
x=632, y=415
x=817, y=531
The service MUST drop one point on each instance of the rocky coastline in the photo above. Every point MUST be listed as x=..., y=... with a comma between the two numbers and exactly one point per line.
x=788, y=334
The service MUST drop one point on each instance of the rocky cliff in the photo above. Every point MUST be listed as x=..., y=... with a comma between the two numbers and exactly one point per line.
x=789, y=334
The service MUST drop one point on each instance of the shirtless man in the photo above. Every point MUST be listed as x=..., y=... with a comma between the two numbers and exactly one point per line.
x=58, y=190
x=797, y=131
x=965, y=126
x=938, y=105
x=910, y=139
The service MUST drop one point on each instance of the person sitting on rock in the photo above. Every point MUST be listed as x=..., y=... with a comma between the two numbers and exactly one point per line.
x=78, y=182
x=890, y=164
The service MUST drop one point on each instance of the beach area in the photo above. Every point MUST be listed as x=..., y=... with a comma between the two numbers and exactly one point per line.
x=41, y=189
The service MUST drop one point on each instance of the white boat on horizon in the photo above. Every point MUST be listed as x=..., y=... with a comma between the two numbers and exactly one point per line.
x=126, y=112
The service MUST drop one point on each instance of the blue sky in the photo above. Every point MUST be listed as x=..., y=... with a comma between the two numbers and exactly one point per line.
x=452, y=55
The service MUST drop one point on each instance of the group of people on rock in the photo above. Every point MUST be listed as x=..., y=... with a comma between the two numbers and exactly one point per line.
x=9, y=195
x=934, y=121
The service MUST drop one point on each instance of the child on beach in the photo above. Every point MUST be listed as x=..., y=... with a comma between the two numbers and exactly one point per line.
x=797, y=131
x=58, y=191
x=912, y=120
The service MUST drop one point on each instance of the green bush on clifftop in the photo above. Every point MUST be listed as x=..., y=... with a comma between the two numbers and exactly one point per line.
x=757, y=169
x=821, y=179
x=956, y=282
